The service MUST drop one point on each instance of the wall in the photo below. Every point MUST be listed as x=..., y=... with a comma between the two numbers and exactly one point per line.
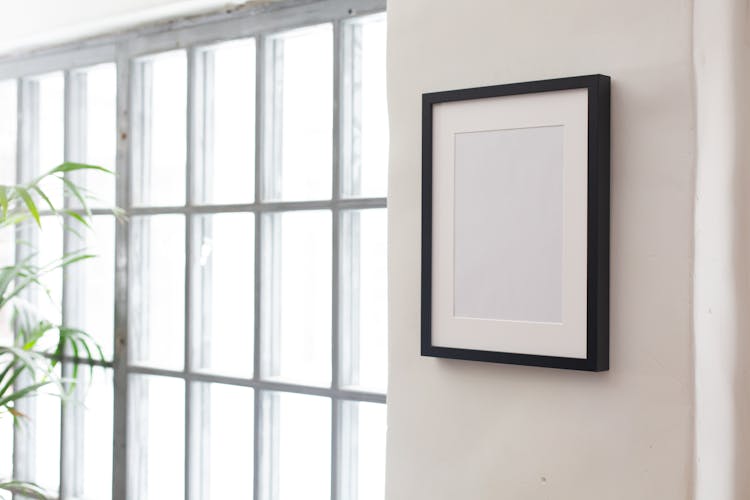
x=461, y=430
x=722, y=250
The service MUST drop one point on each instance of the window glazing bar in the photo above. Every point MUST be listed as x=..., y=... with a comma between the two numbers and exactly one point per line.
x=71, y=437
x=264, y=385
x=120, y=455
x=193, y=90
x=259, y=471
x=269, y=79
x=63, y=57
x=280, y=206
x=338, y=54
x=275, y=206
x=24, y=442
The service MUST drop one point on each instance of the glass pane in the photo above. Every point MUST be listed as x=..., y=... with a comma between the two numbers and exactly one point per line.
x=302, y=111
x=223, y=311
x=92, y=305
x=297, y=300
x=303, y=452
x=8, y=121
x=157, y=297
x=7, y=245
x=46, y=421
x=50, y=251
x=6, y=445
x=363, y=464
x=229, y=125
x=365, y=127
x=8, y=125
x=159, y=178
x=7, y=257
x=224, y=434
x=156, y=432
x=51, y=131
x=97, y=435
x=100, y=132
x=364, y=299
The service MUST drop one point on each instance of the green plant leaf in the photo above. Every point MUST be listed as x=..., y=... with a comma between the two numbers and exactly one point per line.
x=77, y=217
x=19, y=204
x=26, y=489
x=26, y=197
x=77, y=193
x=21, y=393
x=42, y=195
x=4, y=200
x=70, y=166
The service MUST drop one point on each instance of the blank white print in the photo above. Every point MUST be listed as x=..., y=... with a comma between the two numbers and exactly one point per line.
x=508, y=223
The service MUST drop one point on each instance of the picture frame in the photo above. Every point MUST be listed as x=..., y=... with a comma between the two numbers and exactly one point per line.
x=515, y=223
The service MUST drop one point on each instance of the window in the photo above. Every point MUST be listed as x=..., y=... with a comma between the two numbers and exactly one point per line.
x=242, y=305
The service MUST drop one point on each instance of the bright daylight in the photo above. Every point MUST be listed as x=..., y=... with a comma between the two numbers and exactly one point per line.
x=193, y=292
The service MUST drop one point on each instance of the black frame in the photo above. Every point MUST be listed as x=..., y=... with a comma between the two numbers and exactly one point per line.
x=597, y=315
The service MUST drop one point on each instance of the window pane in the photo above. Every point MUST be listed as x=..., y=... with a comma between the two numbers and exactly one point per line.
x=302, y=108
x=100, y=134
x=8, y=121
x=304, y=447
x=363, y=464
x=7, y=245
x=159, y=176
x=51, y=126
x=38, y=436
x=224, y=435
x=92, y=304
x=297, y=293
x=50, y=251
x=7, y=257
x=156, y=433
x=223, y=311
x=229, y=124
x=6, y=445
x=365, y=126
x=157, y=297
x=364, y=299
x=97, y=436
x=46, y=421
x=8, y=124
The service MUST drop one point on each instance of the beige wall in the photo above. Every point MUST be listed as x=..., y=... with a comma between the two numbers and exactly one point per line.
x=463, y=430
x=722, y=250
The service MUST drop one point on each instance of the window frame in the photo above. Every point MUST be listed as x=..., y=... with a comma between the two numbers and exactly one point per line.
x=193, y=35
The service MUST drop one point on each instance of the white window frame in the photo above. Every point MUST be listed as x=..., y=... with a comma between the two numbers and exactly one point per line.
x=191, y=35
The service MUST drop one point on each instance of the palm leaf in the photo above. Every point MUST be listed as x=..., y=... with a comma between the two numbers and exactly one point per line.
x=4, y=200
x=71, y=166
x=26, y=489
x=26, y=369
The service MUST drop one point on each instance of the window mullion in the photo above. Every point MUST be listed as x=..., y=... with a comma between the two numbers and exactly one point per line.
x=339, y=65
x=195, y=432
x=24, y=442
x=72, y=425
x=196, y=402
x=125, y=92
x=269, y=74
x=260, y=457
